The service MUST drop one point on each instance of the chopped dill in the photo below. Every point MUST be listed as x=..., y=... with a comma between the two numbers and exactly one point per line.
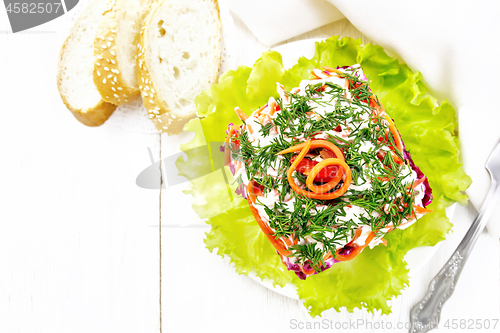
x=380, y=189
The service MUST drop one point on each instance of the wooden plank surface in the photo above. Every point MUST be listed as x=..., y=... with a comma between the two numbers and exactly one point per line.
x=80, y=241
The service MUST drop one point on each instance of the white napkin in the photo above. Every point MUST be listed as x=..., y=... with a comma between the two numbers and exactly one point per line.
x=454, y=44
x=273, y=21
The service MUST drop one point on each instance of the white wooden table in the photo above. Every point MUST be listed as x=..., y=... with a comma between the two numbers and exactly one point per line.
x=84, y=249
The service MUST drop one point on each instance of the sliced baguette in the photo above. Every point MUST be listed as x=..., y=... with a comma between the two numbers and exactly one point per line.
x=178, y=57
x=76, y=64
x=115, y=48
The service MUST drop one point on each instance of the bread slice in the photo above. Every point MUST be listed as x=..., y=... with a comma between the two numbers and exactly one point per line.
x=115, y=48
x=178, y=57
x=76, y=65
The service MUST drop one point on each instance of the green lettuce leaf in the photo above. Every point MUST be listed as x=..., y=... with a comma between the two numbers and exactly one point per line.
x=427, y=128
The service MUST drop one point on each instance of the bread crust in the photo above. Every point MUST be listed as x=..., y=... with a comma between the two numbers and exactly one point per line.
x=159, y=113
x=92, y=116
x=107, y=76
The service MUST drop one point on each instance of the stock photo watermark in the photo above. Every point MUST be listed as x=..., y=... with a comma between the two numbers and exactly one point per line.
x=367, y=325
x=192, y=165
x=26, y=14
x=170, y=171
x=179, y=168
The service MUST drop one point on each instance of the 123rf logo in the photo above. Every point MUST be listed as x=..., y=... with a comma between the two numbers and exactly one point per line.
x=26, y=14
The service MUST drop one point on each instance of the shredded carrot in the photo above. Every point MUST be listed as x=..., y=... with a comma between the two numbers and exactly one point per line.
x=396, y=158
x=386, y=179
x=303, y=152
x=418, y=210
x=251, y=197
x=265, y=119
x=249, y=128
x=394, y=132
x=418, y=182
x=316, y=77
x=332, y=183
x=258, y=112
x=312, y=195
x=357, y=249
x=272, y=107
x=284, y=94
x=421, y=210
x=240, y=114
x=310, y=272
x=264, y=227
x=376, y=105
x=392, y=128
x=333, y=70
x=316, y=144
x=289, y=241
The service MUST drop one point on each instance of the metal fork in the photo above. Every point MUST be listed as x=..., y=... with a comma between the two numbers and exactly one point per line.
x=425, y=315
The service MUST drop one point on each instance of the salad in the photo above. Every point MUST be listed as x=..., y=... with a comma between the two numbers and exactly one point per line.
x=325, y=171
x=427, y=125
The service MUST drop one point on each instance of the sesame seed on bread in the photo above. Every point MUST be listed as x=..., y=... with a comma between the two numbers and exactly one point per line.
x=76, y=65
x=115, y=48
x=178, y=56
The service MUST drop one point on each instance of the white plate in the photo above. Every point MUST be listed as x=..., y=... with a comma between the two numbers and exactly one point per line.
x=417, y=257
